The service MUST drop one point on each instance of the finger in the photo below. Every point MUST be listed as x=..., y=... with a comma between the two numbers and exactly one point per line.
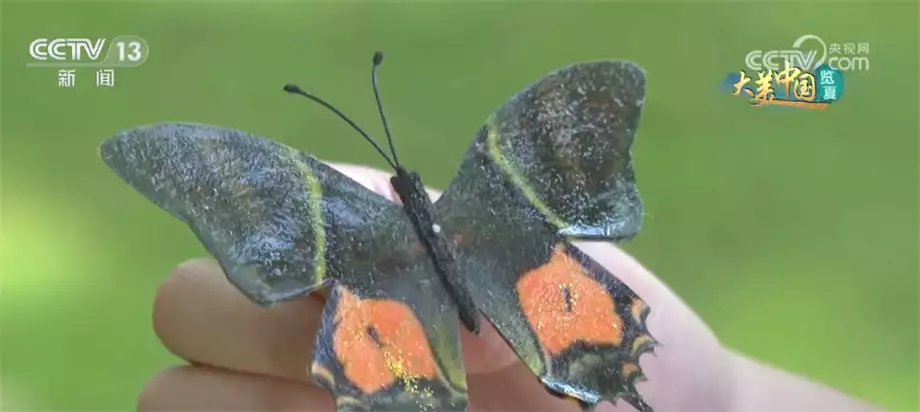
x=376, y=180
x=761, y=387
x=690, y=370
x=196, y=388
x=201, y=317
x=514, y=388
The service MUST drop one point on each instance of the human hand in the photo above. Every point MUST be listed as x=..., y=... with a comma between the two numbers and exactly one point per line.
x=245, y=357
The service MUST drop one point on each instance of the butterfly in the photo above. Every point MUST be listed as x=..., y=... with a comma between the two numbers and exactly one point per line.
x=551, y=165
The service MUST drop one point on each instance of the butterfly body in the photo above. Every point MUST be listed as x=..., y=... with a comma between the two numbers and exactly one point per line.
x=550, y=166
x=421, y=211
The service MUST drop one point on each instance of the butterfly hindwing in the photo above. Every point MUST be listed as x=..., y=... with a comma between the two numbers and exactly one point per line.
x=590, y=326
x=393, y=347
x=552, y=164
x=282, y=224
x=261, y=208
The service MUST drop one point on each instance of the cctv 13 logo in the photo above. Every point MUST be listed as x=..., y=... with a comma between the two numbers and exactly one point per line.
x=122, y=51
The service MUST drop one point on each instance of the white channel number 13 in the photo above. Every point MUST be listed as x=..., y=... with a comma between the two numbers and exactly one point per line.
x=129, y=50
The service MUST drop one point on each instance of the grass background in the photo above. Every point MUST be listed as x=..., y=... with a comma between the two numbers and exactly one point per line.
x=792, y=233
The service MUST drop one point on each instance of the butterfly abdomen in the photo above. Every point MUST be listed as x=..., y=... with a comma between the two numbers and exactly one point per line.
x=421, y=211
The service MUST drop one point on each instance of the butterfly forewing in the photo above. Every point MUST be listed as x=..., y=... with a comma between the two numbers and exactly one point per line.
x=565, y=142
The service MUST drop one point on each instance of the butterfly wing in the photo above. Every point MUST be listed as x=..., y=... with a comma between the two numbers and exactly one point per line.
x=282, y=224
x=389, y=339
x=553, y=163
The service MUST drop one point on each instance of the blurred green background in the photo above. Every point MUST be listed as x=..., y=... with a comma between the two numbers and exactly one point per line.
x=793, y=233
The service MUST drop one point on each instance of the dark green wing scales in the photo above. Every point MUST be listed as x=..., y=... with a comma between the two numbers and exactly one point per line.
x=282, y=224
x=565, y=142
x=553, y=163
x=268, y=213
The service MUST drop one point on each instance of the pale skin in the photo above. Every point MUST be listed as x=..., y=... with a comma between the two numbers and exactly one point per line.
x=244, y=357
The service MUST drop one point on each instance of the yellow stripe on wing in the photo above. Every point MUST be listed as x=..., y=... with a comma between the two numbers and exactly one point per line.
x=516, y=177
x=315, y=200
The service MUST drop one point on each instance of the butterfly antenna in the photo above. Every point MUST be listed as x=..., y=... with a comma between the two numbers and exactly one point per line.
x=378, y=58
x=294, y=89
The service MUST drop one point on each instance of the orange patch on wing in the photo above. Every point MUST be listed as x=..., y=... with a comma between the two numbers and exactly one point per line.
x=629, y=369
x=397, y=347
x=565, y=305
x=638, y=307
